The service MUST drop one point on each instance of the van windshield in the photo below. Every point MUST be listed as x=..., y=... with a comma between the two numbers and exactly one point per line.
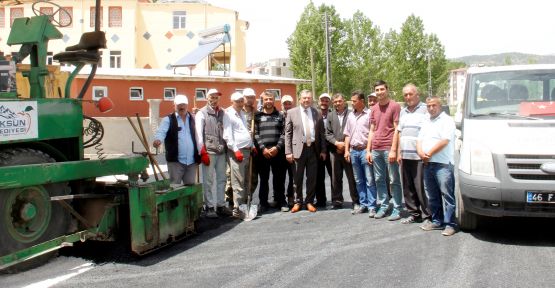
x=526, y=94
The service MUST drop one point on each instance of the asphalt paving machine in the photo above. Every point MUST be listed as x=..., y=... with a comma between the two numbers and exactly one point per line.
x=49, y=193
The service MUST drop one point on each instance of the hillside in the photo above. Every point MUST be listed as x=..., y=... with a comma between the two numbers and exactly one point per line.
x=506, y=58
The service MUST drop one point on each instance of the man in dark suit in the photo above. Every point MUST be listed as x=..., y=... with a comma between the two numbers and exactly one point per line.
x=324, y=165
x=336, y=139
x=304, y=142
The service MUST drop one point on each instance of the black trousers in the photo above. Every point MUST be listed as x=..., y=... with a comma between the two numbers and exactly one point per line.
x=290, y=184
x=413, y=188
x=278, y=165
x=307, y=162
x=321, y=180
x=340, y=165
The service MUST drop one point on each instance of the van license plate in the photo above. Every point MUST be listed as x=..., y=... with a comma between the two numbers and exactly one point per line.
x=540, y=197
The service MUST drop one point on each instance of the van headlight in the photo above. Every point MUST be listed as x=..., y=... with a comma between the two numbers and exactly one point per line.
x=476, y=159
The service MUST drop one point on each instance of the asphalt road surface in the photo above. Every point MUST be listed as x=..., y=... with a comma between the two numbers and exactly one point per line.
x=329, y=248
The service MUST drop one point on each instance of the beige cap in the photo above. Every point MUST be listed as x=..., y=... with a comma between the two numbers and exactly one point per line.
x=213, y=91
x=324, y=95
x=286, y=98
x=236, y=96
x=372, y=95
x=180, y=99
x=248, y=92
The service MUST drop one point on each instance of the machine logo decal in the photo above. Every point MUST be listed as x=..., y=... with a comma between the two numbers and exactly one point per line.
x=18, y=120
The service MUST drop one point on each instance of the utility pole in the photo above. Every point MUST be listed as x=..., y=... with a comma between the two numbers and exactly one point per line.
x=328, y=53
x=312, y=72
x=429, y=73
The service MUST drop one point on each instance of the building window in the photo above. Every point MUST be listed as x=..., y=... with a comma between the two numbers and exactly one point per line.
x=179, y=19
x=2, y=18
x=15, y=13
x=200, y=93
x=99, y=92
x=66, y=16
x=93, y=16
x=136, y=93
x=115, y=59
x=169, y=94
x=277, y=93
x=114, y=16
x=49, y=58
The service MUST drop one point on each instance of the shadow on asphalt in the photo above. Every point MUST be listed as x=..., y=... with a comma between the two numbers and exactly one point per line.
x=517, y=231
x=102, y=253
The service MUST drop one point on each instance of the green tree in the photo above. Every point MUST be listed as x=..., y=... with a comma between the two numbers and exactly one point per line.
x=360, y=55
x=310, y=34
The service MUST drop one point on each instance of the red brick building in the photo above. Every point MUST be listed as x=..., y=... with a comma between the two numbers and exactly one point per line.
x=130, y=89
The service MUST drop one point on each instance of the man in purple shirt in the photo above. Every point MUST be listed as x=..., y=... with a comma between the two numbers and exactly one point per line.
x=356, y=138
x=382, y=151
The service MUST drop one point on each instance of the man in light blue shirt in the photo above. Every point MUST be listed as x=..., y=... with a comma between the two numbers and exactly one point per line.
x=435, y=146
x=177, y=130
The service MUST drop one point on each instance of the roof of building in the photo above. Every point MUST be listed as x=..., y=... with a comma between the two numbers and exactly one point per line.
x=169, y=75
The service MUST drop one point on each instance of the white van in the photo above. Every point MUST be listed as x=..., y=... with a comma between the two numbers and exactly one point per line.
x=507, y=157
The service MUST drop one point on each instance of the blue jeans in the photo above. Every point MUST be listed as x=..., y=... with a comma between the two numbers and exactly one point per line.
x=364, y=179
x=439, y=183
x=381, y=167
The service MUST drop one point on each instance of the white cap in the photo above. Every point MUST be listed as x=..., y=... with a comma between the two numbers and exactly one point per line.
x=236, y=96
x=324, y=95
x=180, y=99
x=213, y=91
x=248, y=92
x=373, y=94
x=286, y=98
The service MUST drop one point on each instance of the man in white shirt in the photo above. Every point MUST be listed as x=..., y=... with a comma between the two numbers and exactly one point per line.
x=239, y=142
x=435, y=146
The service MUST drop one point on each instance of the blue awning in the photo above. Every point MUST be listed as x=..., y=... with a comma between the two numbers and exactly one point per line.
x=195, y=56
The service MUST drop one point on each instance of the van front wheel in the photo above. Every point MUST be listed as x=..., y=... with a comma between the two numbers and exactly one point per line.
x=467, y=221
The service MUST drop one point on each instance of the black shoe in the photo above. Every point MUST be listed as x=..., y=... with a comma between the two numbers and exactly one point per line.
x=263, y=208
x=224, y=211
x=337, y=205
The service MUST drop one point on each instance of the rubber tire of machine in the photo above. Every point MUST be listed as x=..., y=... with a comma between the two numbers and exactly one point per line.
x=60, y=219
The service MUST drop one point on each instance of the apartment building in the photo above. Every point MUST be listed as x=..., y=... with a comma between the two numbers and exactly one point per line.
x=140, y=33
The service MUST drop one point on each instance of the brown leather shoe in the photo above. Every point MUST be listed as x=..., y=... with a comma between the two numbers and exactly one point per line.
x=311, y=207
x=296, y=208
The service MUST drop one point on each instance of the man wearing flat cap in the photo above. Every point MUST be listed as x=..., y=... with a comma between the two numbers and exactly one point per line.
x=177, y=131
x=239, y=144
x=212, y=147
x=323, y=164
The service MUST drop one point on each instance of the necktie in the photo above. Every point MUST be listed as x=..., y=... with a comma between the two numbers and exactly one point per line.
x=307, y=132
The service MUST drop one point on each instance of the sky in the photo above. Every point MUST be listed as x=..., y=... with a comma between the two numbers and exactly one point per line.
x=464, y=27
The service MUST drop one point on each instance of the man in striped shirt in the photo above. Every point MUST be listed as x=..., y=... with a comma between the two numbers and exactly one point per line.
x=268, y=127
x=410, y=121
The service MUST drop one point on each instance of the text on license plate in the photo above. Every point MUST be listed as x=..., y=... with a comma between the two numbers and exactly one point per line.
x=540, y=197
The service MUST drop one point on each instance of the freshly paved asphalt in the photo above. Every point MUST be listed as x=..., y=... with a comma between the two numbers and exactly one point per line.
x=328, y=248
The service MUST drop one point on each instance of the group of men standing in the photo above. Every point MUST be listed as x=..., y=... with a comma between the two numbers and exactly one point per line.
x=385, y=151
